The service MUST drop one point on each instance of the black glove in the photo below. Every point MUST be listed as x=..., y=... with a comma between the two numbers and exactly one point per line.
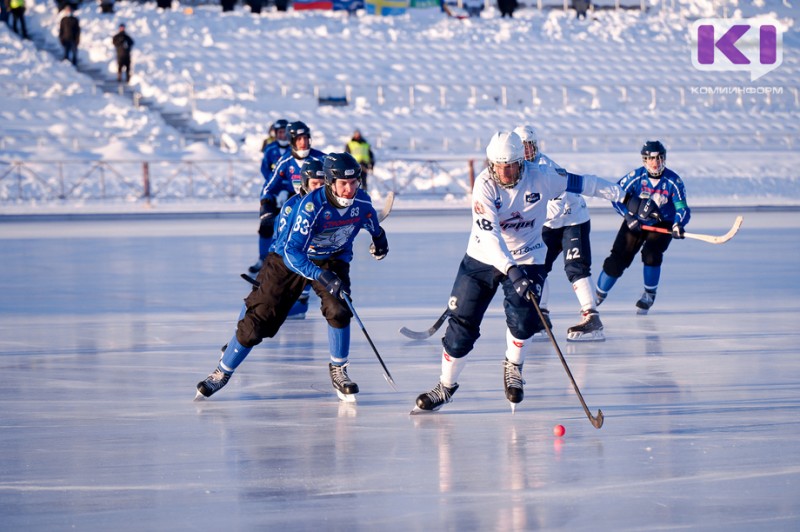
x=677, y=231
x=331, y=282
x=267, y=214
x=380, y=246
x=522, y=284
x=650, y=210
x=633, y=222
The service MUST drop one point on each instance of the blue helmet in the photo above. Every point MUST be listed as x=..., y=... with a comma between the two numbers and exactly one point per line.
x=340, y=166
x=312, y=169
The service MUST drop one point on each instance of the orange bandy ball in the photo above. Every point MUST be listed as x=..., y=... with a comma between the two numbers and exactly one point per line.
x=559, y=430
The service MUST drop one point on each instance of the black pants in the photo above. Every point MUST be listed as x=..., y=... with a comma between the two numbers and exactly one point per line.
x=475, y=285
x=573, y=241
x=628, y=243
x=270, y=303
x=70, y=51
x=18, y=16
x=124, y=64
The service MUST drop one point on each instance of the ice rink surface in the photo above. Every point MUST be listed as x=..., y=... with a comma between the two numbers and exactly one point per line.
x=107, y=325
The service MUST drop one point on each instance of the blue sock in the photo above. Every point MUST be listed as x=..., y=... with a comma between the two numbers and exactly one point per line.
x=651, y=276
x=605, y=282
x=234, y=355
x=339, y=342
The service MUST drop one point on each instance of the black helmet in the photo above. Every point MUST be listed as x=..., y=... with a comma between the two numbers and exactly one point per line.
x=297, y=129
x=312, y=169
x=653, y=149
x=340, y=166
x=280, y=124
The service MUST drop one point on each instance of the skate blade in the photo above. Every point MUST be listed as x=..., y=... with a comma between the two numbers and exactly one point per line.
x=199, y=397
x=596, y=336
x=417, y=411
x=346, y=397
x=641, y=311
x=513, y=408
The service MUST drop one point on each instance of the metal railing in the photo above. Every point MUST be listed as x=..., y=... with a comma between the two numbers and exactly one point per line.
x=78, y=181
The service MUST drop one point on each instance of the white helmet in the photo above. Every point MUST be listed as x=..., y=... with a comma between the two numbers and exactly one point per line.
x=529, y=140
x=505, y=147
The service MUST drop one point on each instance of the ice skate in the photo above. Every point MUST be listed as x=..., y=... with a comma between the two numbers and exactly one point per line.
x=588, y=330
x=345, y=388
x=542, y=335
x=435, y=399
x=212, y=384
x=256, y=267
x=512, y=382
x=646, y=301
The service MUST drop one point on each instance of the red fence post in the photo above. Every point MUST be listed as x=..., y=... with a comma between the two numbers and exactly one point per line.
x=471, y=165
x=146, y=181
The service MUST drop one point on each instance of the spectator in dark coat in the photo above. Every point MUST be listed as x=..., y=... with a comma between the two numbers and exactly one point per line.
x=123, y=44
x=69, y=33
x=581, y=7
x=507, y=7
x=228, y=5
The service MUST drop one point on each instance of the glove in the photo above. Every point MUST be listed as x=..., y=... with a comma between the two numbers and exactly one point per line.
x=332, y=283
x=633, y=222
x=650, y=210
x=677, y=231
x=267, y=214
x=380, y=246
x=522, y=284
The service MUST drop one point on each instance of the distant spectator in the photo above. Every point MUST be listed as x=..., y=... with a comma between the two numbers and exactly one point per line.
x=107, y=6
x=473, y=7
x=69, y=33
x=164, y=4
x=3, y=12
x=507, y=7
x=227, y=5
x=361, y=151
x=581, y=7
x=17, y=9
x=123, y=44
x=255, y=5
x=281, y=5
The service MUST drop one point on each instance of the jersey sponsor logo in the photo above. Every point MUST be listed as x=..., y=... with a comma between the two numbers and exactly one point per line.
x=340, y=223
x=478, y=207
x=532, y=197
x=498, y=203
x=309, y=207
x=516, y=222
x=287, y=210
x=525, y=250
x=518, y=344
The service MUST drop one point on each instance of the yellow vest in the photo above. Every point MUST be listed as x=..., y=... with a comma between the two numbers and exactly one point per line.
x=359, y=151
x=13, y=4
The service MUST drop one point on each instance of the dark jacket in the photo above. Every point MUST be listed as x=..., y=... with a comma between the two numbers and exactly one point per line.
x=69, y=30
x=123, y=43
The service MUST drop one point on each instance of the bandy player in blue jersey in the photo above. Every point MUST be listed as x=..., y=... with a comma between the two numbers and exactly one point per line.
x=319, y=248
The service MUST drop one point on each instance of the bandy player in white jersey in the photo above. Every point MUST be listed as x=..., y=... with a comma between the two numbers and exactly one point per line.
x=567, y=231
x=505, y=248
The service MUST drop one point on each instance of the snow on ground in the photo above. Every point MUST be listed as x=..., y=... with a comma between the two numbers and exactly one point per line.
x=420, y=86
